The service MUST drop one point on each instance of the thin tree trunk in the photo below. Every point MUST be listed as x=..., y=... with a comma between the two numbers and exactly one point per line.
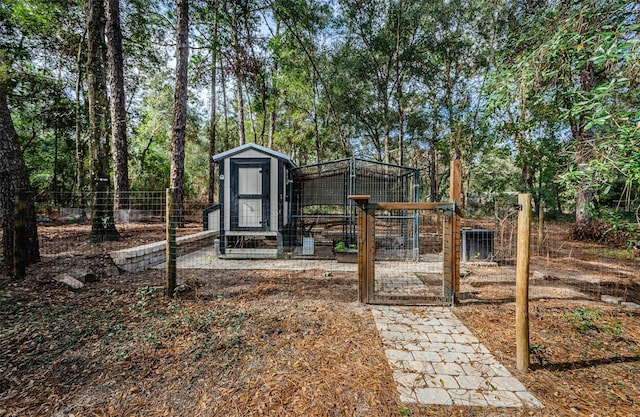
x=583, y=154
x=240, y=99
x=56, y=167
x=213, y=122
x=81, y=150
x=272, y=126
x=263, y=95
x=387, y=129
x=225, y=109
x=400, y=126
x=433, y=175
x=399, y=93
x=14, y=177
x=102, y=223
x=178, y=136
x=252, y=120
x=434, y=184
x=274, y=104
x=118, y=112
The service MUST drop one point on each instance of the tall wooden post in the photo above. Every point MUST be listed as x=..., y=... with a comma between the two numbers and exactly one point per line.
x=451, y=235
x=20, y=239
x=362, y=258
x=522, y=283
x=371, y=253
x=364, y=269
x=170, y=285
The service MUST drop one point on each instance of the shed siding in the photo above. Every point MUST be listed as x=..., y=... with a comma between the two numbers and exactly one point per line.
x=273, y=203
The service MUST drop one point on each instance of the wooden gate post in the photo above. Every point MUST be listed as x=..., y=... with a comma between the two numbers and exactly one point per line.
x=170, y=285
x=451, y=233
x=364, y=268
x=370, y=249
x=522, y=283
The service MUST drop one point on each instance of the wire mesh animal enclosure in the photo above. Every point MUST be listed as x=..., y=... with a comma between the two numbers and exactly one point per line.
x=323, y=214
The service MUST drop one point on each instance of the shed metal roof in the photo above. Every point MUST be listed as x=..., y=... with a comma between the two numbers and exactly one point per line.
x=255, y=147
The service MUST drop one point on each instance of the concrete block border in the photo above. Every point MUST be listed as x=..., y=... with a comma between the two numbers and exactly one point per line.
x=140, y=258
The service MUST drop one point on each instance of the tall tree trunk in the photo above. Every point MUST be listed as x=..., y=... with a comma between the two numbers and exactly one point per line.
x=272, y=126
x=56, y=168
x=263, y=98
x=385, y=141
x=252, y=121
x=400, y=126
x=240, y=99
x=274, y=96
x=316, y=126
x=434, y=184
x=14, y=177
x=399, y=80
x=583, y=153
x=81, y=144
x=178, y=136
x=103, y=227
x=213, y=125
x=118, y=112
x=225, y=110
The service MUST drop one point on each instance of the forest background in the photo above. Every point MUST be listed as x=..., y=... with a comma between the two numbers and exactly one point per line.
x=532, y=96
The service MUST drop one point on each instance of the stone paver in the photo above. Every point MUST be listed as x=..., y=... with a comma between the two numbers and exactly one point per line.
x=436, y=359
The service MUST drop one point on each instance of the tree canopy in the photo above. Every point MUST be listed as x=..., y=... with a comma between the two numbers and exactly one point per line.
x=533, y=96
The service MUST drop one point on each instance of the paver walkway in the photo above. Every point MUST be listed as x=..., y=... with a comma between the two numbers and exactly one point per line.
x=436, y=360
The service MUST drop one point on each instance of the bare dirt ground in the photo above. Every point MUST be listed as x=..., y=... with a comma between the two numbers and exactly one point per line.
x=275, y=343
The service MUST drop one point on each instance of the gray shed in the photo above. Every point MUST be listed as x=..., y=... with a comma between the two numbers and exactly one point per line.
x=254, y=201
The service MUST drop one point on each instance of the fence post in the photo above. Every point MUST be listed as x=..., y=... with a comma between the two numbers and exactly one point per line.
x=452, y=236
x=522, y=283
x=20, y=241
x=362, y=236
x=362, y=257
x=171, y=244
x=370, y=248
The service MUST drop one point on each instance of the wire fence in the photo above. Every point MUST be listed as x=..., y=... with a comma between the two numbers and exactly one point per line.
x=560, y=267
x=64, y=223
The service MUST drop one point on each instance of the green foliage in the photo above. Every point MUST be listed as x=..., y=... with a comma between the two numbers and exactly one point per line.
x=495, y=84
x=540, y=83
x=44, y=125
x=583, y=319
x=404, y=411
x=588, y=320
x=342, y=247
x=538, y=351
x=35, y=41
x=150, y=142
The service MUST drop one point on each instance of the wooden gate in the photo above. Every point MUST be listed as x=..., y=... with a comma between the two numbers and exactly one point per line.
x=407, y=280
x=411, y=278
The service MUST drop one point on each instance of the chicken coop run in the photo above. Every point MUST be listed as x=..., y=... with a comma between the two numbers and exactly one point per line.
x=321, y=211
x=268, y=207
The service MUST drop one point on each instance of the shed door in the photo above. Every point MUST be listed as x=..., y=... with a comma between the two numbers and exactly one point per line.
x=250, y=194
